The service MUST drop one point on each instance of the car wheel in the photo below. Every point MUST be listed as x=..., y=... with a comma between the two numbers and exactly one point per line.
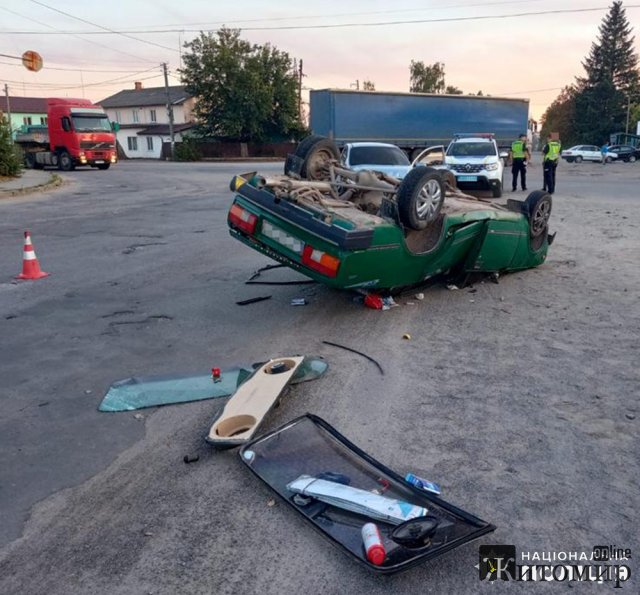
x=420, y=197
x=316, y=153
x=30, y=161
x=569, y=159
x=578, y=158
x=103, y=165
x=608, y=159
x=537, y=207
x=65, y=163
x=497, y=190
x=631, y=159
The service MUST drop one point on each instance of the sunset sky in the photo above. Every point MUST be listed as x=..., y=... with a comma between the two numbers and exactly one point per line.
x=530, y=56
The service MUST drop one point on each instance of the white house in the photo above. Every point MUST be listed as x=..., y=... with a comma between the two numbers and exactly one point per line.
x=144, y=122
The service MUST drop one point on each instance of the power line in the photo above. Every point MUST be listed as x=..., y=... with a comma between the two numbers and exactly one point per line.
x=73, y=35
x=359, y=24
x=85, y=70
x=110, y=82
x=71, y=16
x=439, y=20
x=151, y=28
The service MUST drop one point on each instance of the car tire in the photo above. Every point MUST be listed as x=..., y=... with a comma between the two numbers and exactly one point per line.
x=65, y=162
x=569, y=159
x=608, y=159
x=578, y=158
x=103, y=165
x=30, y=161
x=537, y=208
x=420, y=197
x=316, y=152
x=496, y=190
x=632, y=159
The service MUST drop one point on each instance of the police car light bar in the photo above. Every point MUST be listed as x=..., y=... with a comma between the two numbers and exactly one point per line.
x=489, y=135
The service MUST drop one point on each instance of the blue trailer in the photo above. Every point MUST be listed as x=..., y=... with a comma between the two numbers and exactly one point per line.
x=414, y=120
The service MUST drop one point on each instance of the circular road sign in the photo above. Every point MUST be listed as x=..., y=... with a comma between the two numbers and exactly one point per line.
x=32, y=61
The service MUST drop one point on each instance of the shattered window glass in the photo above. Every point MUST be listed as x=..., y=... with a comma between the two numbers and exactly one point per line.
x=139, y=392
x=309, y=446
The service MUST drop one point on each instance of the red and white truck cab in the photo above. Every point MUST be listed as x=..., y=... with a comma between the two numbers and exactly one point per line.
x=77, y=133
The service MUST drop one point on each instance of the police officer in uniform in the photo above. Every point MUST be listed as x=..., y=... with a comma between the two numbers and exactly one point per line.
x=520, y=155
x=550, y=155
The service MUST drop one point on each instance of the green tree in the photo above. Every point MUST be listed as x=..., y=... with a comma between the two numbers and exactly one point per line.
x=10, y=158
x=451, y=90
x=368, y=85
x=611, y=76
x=243, y=92
x=560, y=116
x=426, y=78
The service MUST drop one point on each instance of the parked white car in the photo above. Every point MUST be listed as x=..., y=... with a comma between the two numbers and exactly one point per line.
x=581, y=153
x=382, y=157
x=474, y=160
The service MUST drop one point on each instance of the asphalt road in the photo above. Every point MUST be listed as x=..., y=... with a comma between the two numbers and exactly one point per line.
x=520, y=399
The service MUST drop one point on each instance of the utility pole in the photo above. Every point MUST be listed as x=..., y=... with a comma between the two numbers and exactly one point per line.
x=169, y=108
x=300, y=75
x=6, y=94
x=626, y=131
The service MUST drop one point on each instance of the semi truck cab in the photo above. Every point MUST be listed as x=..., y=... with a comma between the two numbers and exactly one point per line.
x=78, y=133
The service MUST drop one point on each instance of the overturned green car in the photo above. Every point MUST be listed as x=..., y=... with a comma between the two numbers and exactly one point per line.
x=369, y=230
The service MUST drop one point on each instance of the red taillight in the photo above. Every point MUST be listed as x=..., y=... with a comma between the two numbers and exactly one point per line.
x=320, y=261
x=243, y=219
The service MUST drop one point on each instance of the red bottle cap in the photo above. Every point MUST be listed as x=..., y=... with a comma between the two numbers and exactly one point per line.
x=215, y=372
x=376, y=554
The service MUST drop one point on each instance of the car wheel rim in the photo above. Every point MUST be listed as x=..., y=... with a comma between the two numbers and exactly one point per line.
x=318, y=167
x=428, y=200
x=541, y=217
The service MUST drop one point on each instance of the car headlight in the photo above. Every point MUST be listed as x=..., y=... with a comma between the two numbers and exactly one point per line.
x=491, y=166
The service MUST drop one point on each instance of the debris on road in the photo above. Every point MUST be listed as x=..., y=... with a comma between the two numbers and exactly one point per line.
x=139, y=392
x=270, y=267
x=357, y=352
x=253, y=300
x=246, y=409
x=452, y=287
x=191, y=459
x=407, y=337
x=412, y=525
x=298, y=302
x=377, y=302
x=423, y=484
x=419, y=296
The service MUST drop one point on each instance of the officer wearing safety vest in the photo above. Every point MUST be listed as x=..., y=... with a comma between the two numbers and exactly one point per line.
x=550, y=155
x=520, y=155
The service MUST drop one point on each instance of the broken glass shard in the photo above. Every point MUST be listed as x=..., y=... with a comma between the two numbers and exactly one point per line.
x=139, y=392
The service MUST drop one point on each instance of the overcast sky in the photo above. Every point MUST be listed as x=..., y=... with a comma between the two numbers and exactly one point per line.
x=531, y=56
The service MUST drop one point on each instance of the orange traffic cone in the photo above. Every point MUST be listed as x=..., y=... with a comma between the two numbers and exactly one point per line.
x=30, y=264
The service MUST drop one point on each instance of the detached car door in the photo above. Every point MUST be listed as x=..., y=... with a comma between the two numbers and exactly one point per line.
x=431, y=157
